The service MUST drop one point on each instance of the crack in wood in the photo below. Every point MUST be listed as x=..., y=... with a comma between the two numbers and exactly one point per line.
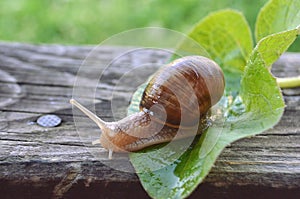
x=67, y=182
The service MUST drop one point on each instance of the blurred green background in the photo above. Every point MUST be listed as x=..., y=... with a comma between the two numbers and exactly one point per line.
x=92, y=21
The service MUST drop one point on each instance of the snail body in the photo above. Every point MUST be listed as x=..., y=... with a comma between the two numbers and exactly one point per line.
x=177, y=97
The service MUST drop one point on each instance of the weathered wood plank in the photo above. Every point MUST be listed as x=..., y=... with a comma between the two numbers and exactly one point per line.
x=56, y=162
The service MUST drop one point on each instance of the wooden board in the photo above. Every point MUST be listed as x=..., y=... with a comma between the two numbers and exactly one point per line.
x=39, y=162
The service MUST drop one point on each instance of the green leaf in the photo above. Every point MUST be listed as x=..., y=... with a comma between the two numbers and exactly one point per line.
x=272, y=46
x=260, y=92
x=136, y=98
x=277, y=16
x=227, y=38
x=257, y=106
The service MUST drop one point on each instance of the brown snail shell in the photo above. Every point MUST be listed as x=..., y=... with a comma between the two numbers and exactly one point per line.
x=178, y=96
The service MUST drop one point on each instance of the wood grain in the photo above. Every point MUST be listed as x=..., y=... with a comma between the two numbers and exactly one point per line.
x=38, y=162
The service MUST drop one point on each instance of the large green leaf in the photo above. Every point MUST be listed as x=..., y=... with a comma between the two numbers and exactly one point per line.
x=277, y=16
x=227, y=38
x=256, y=106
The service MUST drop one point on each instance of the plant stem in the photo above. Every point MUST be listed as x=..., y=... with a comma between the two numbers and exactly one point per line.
x=289, y=82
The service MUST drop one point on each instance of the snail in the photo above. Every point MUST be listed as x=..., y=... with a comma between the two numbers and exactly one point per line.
x=167, y=104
